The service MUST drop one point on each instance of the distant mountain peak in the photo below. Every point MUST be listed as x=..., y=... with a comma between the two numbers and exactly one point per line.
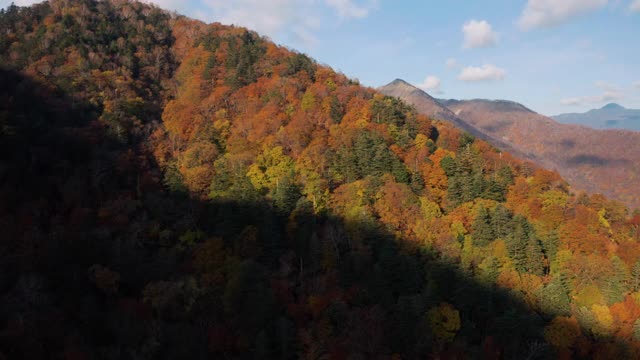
x=419, y=98
x=610, y=116
x=613, y=106
x=399, y=82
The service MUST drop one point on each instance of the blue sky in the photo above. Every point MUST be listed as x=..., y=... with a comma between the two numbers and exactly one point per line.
x=553, y=56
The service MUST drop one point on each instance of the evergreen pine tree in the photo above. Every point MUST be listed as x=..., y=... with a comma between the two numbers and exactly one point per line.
x=505, y=175
x=617, y=285
x=501, y=221
x=417, y=183
x=455, y=190
x=635, y=276
x=286, y=195
x=636, y=330
x=517, y=243
x=482, y=229
x=534, y=256
x=493, y=190
x=448, y=164
x=550, y=245
x=554, y=299
x=478, y=185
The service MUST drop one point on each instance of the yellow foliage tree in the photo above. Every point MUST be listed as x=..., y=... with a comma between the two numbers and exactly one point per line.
x=444, y=322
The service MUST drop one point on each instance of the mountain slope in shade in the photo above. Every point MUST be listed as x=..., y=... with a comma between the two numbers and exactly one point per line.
x=601, y=161
x=610, y=116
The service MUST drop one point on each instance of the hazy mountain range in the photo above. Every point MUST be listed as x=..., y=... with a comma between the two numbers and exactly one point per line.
x=601, y=161
x=610, y=116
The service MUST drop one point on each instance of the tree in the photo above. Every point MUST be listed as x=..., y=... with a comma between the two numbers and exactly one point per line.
x=617, y=285
x=562, y=332
x=635, y=276
x=482, y=230
x=535, y=258
x=271, y=167
x=443, y=322
x=501, y=221
x=286, y=194
x=231, y=183
x=636, y=330
x=554, y=299
x=517, y=243
x=490, y=269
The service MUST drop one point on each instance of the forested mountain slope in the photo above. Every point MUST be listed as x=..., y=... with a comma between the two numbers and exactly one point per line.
x=171, y=189
x=596, y=161
x=433, y=108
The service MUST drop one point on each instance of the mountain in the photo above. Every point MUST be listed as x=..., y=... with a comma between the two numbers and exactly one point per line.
x=423, y=102
x=436, y=109
x=171, y=189
x=610, y=116
x=597, y=161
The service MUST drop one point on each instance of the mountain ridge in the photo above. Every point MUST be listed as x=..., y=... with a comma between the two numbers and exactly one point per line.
x=610, y=116
x=567, y=148
x=430, y=106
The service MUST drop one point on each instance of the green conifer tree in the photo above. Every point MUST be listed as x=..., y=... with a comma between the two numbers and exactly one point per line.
x=482, y=230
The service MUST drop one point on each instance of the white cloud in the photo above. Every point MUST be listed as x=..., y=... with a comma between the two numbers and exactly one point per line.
x=636, y=84
x=266, y=17
x=635, y=5
x=349, y=9
x=575, y=101
x=543, y=13
x=606, y=96
x=605, y=86
x=478, y=34
x=609, y=93
x=452, y=63
x=431, y=83
x=299, y=19
x=486, y=72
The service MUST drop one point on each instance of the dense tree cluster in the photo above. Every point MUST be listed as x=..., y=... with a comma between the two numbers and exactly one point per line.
x=171, y=189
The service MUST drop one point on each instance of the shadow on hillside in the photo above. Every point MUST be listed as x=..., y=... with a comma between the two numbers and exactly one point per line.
x=98, y=260
x=597, y=161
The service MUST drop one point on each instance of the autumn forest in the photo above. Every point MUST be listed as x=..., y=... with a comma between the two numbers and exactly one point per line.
x=176, y=190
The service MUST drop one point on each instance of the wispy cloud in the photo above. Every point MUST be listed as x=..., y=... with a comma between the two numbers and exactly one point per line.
x=486, y=72
x=596, y=99
x=635, y=5
x=432, y=84
x=350, y=9
x=544, y=13
x=452, y=63
x=299, y=19
x=608, y=93
x=478, y=34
